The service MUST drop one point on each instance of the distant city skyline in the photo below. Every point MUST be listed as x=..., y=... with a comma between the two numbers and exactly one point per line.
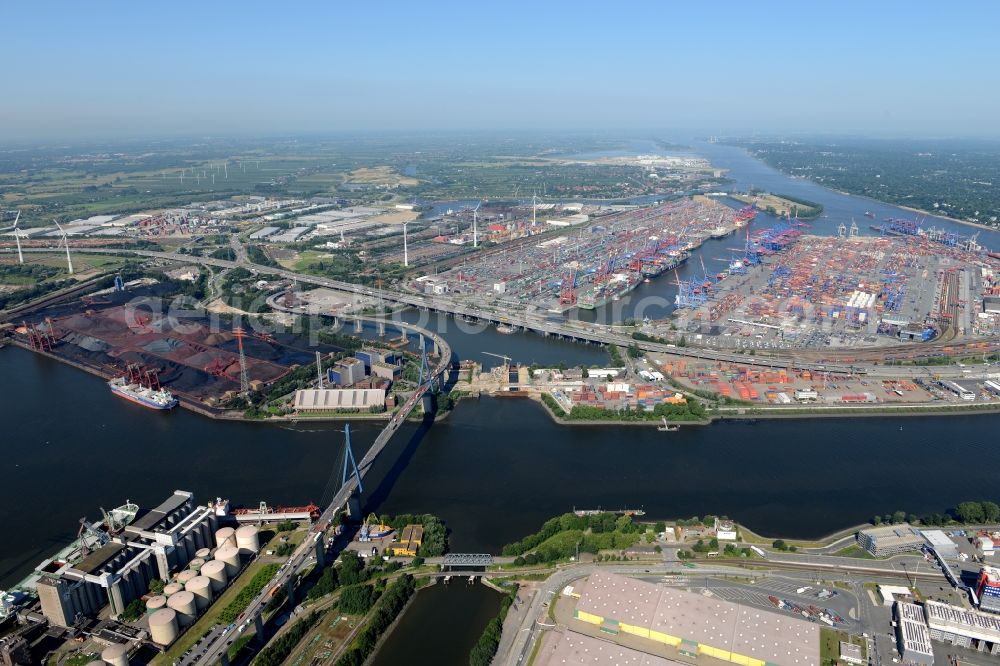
x=117, y=69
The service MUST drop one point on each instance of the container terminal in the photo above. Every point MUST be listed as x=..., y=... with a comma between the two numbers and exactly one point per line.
x=797, y=291
x=592, y=263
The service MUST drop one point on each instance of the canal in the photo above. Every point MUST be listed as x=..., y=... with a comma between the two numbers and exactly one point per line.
x=440, y=625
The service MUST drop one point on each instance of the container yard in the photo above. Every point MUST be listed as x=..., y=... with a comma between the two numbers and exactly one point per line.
x=796, y=291
x=760, y=385
x=593, y=262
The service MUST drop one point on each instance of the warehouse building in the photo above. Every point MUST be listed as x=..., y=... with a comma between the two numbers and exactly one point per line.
x=941, y=543
x=964, y=628
x=696, y=625
x=564, y=648
x=890, y=539
x=409, y=540
x=119, y=561
x=324, y=400
x=913, y=638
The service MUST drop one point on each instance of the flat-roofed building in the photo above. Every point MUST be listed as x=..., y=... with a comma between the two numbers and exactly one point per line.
x=326, y=400
x=890, y=539
x=409, y=540
x=913, y=638
x=572, y=649
x=696, y=625
x=264, y=233
x=963, y=627
x=851, y=653
x=941, y=543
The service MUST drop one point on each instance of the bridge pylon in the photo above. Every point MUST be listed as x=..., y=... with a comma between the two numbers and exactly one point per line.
x=349, y=469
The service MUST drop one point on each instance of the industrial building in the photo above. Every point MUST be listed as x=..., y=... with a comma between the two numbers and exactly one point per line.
x=988, y=589
x=696, y=625
x=962, y=627
x=941, y=543
x=578, y=650
x=324, y=400
x=851, y=653
x=890, y=539
x=370, y=356
x=913, y=637
x=346, y=372
x=114, y=563
x=409, y=540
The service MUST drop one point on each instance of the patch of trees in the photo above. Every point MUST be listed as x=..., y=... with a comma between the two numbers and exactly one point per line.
x=389, y=606
x=278, y=650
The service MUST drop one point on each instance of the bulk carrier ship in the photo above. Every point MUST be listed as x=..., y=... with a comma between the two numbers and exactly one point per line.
x=143, y=395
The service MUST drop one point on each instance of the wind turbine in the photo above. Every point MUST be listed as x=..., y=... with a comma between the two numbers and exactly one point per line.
x=17, y=238
x=475, y=224
x=69, y=259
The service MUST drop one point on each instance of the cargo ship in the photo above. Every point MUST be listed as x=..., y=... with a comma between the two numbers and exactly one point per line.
x=143, y=395
x=745, y=216
x=620, y=283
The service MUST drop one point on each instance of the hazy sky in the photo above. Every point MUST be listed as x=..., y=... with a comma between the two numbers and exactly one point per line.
x=142, y=68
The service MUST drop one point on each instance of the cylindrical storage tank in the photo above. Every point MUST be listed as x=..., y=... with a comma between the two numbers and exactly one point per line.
x=172, y=588
x=203, y=553
x=201, y=588
x=183, y=603
x=215, y=571
x=163, y=626
x=155, y=603
x=225, y=536
x=186, y=575
x=96, y=662
x=247, y=539
x=116, y=655
x=196, y=564
x=231, y=556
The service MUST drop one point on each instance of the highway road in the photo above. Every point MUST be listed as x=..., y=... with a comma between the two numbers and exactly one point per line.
x=583, y=331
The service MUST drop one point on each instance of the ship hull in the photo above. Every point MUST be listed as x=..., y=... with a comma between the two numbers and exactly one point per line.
x=145, y=403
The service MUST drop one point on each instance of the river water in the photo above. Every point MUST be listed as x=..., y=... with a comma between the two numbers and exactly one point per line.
x=495, y=469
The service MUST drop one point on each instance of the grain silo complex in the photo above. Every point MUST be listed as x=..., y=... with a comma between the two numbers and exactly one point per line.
x=116, y=559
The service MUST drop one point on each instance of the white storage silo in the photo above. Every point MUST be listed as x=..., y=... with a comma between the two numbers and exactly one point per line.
x=96, y=662
x=116, y=655
x=184, y=605
x=155, y=603
x=216, y=572
x=163, y=626
x=184, y=576
x=247, y=539
x=172, y=588
x=203, y=553
x=201, y=588
x=225, y=536
x=231, y=556
x=196, y=564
